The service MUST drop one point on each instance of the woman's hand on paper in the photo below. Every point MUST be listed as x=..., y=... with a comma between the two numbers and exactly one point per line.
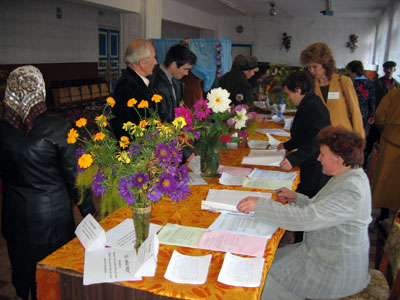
x=285, y=165
x=247, y=204
x=284, y=195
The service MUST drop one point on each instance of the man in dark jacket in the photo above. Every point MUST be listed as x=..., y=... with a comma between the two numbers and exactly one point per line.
x=140, y=60
x=166, y=79
x=39, y=170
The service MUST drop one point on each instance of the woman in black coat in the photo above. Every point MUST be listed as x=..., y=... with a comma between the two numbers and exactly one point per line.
x=311, y=116
x=38, y=170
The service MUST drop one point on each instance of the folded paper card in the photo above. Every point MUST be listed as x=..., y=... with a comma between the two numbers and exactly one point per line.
x=91, y=234
x=194, y=164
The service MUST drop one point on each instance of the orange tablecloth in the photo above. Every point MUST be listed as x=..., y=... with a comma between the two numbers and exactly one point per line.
x=187, y=212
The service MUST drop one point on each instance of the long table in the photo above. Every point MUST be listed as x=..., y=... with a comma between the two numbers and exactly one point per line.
x=60, y=275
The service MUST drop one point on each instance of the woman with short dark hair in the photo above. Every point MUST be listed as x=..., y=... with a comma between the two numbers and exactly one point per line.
x=335, y=90
x=332, y=261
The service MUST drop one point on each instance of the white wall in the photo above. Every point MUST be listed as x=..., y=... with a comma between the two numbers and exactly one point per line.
x=266, y=36
x=31, y=33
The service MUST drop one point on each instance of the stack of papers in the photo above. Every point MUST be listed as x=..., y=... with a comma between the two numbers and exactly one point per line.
x=264, y=157
x=272, y=180
x=234, y=171
x=227, y=200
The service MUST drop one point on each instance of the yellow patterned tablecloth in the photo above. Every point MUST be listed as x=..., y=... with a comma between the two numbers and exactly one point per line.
x=187, y=212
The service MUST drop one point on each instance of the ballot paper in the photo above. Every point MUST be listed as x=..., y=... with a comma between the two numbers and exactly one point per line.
x=90, y=234
x=111, y=265
x=243, y=224
x=196, y=179
x=241, y=271
x=227, y=179
x=178, y=235
x=274, y=131
x=217, y=240
x=123, y=235
x=276, y=175
x=234, y=171
x=272, y=141
x=227, y=200
x=268, y=184
x=194, y=164
x=264, y=157
x=188, y=269
x=288, y=123
x=258, y=144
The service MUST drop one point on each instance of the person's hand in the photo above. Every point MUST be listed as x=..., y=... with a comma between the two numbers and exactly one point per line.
x=280, y=147
x=247, y=204
x=371, y=120
x=284, y=195
x=285, y=165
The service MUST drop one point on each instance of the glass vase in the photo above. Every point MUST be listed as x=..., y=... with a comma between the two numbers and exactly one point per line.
x=209, y=162
x=141, y=213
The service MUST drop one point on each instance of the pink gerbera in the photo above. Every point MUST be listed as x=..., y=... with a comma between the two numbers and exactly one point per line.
x=201, y=109
x=183, y=112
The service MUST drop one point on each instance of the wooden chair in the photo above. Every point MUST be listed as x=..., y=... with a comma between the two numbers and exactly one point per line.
x=378, y=288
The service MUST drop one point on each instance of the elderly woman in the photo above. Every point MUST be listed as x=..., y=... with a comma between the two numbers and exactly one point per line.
x=236, y=80
x=336, y=91
x=332, y=261
x=39, y=172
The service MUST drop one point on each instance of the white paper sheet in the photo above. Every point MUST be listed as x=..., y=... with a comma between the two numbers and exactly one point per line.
x=90, y=234
x=264, y=157
x=243, y=224
x=272, y=141
x=288, y=123
x=227, y=179
x=276, y=175
x=274, y=131
x=228, y=199
x=257, y=144
x=256, y=183
x=123, y=235
x=234, y=171
x=178, y=235
x=241, y=271
x=188, y=269
x=194, y=164
x=196, y=179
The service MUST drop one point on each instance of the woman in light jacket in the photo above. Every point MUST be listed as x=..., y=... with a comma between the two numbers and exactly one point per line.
x=332, y=260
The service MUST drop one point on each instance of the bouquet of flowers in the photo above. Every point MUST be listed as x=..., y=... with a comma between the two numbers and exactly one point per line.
x=138, y=169
x=208, y=122
x=352, y=42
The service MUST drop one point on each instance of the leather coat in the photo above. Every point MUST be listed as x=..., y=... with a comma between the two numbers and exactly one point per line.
x=39, y=172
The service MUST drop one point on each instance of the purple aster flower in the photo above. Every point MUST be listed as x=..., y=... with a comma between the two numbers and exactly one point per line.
x=139, y=179
x=134, y=150
x=98, y=186
x=201, y=109
x=176, y=156
x=183, y=173
x=166, y=183
x=79, y=153
x=181, y=192
x=162, y=153
x=154, y=195
x=191, y=129
x=124, y=190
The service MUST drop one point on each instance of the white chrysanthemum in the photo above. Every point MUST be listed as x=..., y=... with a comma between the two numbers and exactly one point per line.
x=218, y=100
x=240, y=119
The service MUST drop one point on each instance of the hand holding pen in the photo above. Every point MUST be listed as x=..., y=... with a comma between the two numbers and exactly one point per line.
x=285, y=195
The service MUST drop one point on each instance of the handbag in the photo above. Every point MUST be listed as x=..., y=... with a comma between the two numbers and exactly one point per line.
x=346, y=101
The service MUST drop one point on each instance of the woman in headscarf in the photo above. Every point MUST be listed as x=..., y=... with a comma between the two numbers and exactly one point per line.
x=38, y=170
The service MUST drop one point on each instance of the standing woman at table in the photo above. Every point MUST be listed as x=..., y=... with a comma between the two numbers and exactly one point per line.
x=335, y=90
x=38, y=170
x=332, y=261
x=311, y=116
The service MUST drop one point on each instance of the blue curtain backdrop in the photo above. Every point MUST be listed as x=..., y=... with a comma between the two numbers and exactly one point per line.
x=206, y=52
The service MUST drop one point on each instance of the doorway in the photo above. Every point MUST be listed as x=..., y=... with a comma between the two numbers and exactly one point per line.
x=109, y=57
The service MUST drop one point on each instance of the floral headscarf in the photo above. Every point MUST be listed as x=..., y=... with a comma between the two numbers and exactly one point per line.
x=24, y=98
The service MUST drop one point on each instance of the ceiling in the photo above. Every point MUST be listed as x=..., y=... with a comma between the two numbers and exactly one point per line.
x=290, y=8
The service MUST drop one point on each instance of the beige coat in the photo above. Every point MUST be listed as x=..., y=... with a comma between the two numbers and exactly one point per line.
x=386, y=176
x=337, y=107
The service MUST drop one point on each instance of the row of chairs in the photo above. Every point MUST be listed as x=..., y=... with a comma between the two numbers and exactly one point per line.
x=64, y=96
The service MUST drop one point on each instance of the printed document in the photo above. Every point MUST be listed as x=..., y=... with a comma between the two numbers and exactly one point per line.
x=194, y=164
x=188, y=269
x=241, y=271
x=275, y=175
x=264, y=157
x=178, y=235
x=260, y=144
x=90, y=234
x=268, y=184
x=196, y=179
x=227, y=179
x=243, y=224
x=234, y=171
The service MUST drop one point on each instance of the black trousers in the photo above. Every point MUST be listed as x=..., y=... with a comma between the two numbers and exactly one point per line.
x=23, y=260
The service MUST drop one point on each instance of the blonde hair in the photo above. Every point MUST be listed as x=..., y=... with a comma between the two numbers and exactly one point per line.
x=137, y=51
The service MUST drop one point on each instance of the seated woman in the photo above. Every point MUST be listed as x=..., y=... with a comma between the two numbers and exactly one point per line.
x=332, y=261
x=311, y=116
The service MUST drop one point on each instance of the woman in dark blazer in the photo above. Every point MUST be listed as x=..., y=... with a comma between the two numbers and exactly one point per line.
x=311, y=116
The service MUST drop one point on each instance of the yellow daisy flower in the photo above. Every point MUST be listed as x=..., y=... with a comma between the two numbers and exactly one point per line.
x=85, y=161
x=81, y=122
x=99, y=136
x=131, y=102
x=72, y=135
x=111, y=101
x=143, y=104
